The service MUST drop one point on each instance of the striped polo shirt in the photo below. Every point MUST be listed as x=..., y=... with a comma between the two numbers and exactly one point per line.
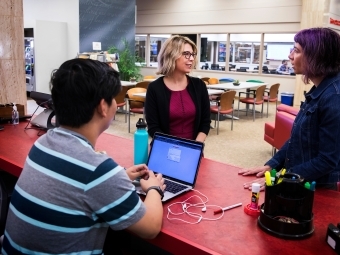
x=66, y=198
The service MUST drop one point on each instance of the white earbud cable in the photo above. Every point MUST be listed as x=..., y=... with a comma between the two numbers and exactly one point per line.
x=185, y=205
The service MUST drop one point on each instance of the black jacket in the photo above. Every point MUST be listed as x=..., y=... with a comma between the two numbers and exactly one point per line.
x=157, y=105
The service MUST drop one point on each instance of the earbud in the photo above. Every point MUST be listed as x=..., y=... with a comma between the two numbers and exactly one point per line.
x=184, y=206
x=204, y=209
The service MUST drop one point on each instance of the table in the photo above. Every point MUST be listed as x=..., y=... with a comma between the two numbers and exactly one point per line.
x=210, y=92
x=128, y=83
x=231, y=86
x=150, y=79
x=235, y=233
x=243, y=85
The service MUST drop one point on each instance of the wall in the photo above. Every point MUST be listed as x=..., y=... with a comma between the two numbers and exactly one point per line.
x=218, y=16
x=106, y=21
x=59, y=11
x=50, y=39
x=314, y=14
x=12, y=75
x=332, y=19
x=221, y=16
x=48, y=56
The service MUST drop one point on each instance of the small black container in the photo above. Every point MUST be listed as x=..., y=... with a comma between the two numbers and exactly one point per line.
x=287, y=209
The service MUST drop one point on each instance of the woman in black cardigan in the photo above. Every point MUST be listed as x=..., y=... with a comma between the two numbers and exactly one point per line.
x=176, y=103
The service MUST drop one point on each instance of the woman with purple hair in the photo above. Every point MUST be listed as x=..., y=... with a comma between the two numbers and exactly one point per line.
x=313, y=149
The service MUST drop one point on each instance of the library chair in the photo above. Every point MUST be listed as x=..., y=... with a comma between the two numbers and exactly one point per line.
x=143, y=84
x=121, y=100
x=205, y=66
x=225, y=105
x=241, y=70
x=215, y=67
x=136, y=103
x=265, y=69
x=149, y=77
x=272, y=95
x=213, y=81
x=205, y=79
x=252, y=98
x=232, y=67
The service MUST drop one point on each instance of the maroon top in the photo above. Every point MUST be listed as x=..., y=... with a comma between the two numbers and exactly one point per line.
x=182, y=114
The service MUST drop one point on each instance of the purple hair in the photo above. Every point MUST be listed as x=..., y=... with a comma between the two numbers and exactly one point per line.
x=321, y=51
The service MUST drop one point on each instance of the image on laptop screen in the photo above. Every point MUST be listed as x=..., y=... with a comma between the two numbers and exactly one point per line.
x=175, y=158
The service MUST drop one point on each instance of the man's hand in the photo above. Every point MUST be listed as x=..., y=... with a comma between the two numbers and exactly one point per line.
x=137, y=171
x=153, y=180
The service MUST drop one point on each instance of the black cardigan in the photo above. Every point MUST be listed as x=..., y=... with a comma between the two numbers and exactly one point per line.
x=157, y=105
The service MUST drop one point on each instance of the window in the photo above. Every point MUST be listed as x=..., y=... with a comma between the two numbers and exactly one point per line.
x=213, y=51
x=277, y=48
x=245, y=49
x=140, y=42
x=156, y=42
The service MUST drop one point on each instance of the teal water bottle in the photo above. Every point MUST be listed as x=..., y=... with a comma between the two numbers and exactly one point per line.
x=141, y=143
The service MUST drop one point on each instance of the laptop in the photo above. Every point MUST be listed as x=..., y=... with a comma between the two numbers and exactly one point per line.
x=178, y=160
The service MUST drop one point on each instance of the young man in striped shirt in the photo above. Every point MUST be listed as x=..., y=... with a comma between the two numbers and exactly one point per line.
x=68, y=195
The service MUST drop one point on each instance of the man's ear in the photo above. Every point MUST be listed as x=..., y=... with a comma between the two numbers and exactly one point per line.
x=102, y=108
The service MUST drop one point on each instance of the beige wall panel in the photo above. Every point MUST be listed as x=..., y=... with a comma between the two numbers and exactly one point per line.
x=12, y=66
x=11, y=8
x=11, y=40
x=238, y=16
x=218, y=29
x=193, y=12
x=12, y=81
x=202, y=5
x=312, y=15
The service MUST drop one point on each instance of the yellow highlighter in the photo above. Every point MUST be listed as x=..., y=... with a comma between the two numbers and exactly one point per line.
x=281, y=175
x=268, y=179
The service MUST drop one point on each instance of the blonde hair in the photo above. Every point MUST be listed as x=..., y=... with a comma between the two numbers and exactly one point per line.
x=171, y=51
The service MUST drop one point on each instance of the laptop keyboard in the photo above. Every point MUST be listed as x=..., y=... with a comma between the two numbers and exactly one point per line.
x=173, y=187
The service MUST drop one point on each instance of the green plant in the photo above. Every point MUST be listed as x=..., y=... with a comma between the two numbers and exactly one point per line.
x=127, y=62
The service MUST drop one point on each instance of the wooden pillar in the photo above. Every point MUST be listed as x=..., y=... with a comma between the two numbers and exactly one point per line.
x=312, y=15
x=12, y=64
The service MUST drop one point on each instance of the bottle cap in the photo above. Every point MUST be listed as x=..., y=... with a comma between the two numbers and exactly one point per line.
x=250, y=211
x=141, y=123
x=255, y=187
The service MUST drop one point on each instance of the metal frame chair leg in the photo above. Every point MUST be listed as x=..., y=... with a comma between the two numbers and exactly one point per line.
x=215, y=120
x=129, y=119
x=125, y=106
x=232, y=119
x=218, y=120
x=268, y=106
x=254, y=112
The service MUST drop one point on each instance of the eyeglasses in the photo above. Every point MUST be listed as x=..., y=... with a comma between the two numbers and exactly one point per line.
x=188, y=54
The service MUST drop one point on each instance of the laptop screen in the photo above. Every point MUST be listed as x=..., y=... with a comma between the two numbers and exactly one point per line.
x=175, y=157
